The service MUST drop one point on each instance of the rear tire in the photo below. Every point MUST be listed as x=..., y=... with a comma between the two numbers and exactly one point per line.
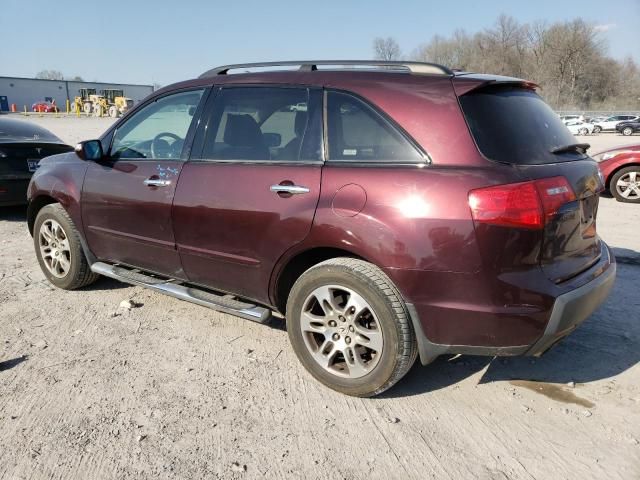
x=355, y=336
x=59, y=249
x=625, y=185
x=597, y=129
x=87, y=107
x=113, y=112
x=583, y=131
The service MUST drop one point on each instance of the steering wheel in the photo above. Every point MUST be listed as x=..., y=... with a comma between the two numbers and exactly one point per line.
x=160, y=148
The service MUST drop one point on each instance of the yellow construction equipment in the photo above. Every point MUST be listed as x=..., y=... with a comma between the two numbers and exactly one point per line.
x=110, y=102
x=82, y=102
x=117, y=103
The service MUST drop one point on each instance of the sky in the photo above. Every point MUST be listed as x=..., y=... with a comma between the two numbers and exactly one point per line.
x=161, y=41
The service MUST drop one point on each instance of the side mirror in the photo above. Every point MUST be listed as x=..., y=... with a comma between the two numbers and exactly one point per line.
x=272, y=140
x=89, y=150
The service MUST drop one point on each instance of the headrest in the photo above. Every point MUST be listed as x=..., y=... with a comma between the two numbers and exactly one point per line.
x=242, y=131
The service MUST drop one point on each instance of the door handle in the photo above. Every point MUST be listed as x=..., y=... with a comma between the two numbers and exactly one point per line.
x=291, y=189
x=157, y=182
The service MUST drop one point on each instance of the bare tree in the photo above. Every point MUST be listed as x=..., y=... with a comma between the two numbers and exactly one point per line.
x=386, y=49
x=50, y=75
x=567, y=59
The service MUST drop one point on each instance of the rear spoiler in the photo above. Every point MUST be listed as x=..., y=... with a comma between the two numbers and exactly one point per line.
x=464, y=82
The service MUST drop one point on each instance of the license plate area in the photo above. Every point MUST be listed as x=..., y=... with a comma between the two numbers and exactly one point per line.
x=588, y=214
x=33, y=164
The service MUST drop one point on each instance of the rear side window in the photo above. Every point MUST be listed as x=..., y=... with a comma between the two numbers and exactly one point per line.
x=358, y=133
x=265, y=124
x=514, y=125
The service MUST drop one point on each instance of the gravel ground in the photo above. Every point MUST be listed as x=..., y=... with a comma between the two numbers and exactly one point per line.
x=172, y=390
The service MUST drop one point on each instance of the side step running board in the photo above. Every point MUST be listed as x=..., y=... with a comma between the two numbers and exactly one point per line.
x=221, y=303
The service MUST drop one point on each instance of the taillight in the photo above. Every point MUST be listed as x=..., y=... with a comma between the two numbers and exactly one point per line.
x=554, y=193
x=522, y=205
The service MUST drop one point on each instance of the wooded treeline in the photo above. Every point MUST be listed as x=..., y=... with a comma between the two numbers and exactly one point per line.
x=569, y=60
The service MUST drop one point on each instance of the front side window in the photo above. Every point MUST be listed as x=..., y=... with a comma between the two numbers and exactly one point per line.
x=158, y=130
x=358, y=133
x=265, y=124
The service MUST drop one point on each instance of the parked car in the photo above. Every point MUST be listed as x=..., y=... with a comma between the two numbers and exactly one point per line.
x=45, y=107
x=405, y=212
x=620, y=169
x=571, y=118
x=22, y=145
x=609, y=123
x=629, y=127
x=580, y=128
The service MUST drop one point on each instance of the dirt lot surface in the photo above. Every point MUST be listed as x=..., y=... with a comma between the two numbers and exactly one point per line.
x=167, y=389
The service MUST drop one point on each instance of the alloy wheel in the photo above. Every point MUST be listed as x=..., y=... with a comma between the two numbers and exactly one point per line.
x=628, y=185
x=54, y=248
x=341, y=331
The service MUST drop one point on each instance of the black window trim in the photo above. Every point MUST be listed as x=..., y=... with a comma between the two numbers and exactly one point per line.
x=188, y=139
x=426, y=158
x=216, y=89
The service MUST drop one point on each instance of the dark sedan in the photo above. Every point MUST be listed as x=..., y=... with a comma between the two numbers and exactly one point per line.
x=628, y=128
x=22, y=146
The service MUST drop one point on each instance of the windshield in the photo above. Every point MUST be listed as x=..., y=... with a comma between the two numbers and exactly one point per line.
x=514, y=125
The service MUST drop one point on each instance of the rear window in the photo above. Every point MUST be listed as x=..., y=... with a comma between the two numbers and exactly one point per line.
x=22, y=131
x=514, y=125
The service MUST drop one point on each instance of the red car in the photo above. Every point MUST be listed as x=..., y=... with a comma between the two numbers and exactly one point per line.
x=388, y=211
x=45, y=107
x=620, y=169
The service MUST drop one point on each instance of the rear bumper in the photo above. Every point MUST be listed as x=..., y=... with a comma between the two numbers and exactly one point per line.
x=572, y=305
x=13, y=191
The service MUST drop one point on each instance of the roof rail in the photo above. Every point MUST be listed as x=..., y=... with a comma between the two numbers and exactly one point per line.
x=416, y=68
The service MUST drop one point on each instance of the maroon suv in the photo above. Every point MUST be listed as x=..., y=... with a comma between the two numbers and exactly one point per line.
x=387, y=210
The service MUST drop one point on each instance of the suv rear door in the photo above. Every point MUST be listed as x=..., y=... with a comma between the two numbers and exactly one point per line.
x=250, y=189
x=127, y=196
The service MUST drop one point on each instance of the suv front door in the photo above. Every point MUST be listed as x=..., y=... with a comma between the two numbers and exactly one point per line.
x=127, y=196
x=250, y=189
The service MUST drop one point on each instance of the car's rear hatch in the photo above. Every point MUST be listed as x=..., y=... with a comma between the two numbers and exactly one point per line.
x=20, y=160
x=512, y=125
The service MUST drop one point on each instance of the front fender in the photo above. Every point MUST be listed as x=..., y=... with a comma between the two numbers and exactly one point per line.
x=59, y=178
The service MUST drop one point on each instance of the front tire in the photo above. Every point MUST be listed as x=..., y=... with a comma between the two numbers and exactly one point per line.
x=350, y=328
x=597, y=129
x=583, y=131
x=627, y=131
x=625, y=185
x=59, y=250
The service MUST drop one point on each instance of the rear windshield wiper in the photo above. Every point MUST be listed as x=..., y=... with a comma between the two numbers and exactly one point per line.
x=574, y=147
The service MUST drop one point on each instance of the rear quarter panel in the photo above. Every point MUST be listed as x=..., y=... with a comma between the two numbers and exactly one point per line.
x=400, y=218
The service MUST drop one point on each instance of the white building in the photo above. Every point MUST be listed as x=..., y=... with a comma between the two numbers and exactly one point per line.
x=27, y=91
